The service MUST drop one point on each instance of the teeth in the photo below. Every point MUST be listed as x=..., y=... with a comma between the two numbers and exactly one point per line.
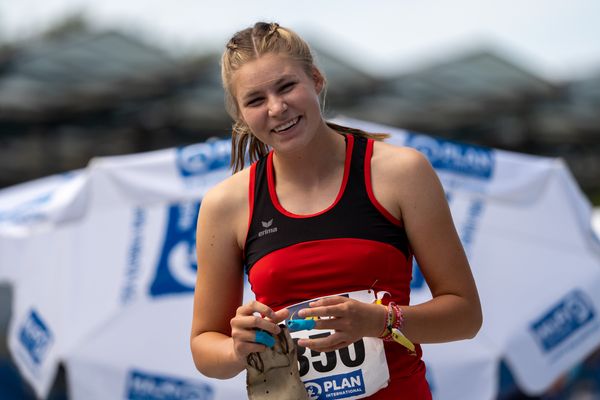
x=286, y=126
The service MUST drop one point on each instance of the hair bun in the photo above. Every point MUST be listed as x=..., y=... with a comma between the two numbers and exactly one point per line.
x=273, y=28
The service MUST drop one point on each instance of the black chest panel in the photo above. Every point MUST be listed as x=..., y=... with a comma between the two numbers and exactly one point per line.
x=353, y=216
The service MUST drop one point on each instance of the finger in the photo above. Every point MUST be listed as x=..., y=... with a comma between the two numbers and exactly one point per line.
x=328, y=324
x=264, y=338
x=320, y=311
x=253, y=322
x=329, y=301
x=322, y=342
x=280, y=315
x=244, y=337
x=329, y=343
x=255, y=307
x=328, y=306
x=329, y=349
x=254, y=336
x=246, y=348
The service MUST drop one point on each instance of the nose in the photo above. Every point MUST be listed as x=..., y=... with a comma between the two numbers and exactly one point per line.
x=277, y=106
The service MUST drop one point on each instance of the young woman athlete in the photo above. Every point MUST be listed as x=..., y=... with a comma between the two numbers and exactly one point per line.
x=325, y=216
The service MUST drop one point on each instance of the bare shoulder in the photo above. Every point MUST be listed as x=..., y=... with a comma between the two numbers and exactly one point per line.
x=229, y=194
x=225, y=209
x=399, y=152
x=401, y=177
x=400, y=164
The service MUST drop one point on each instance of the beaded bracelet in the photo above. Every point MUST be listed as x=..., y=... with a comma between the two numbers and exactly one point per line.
x=391, y=332
x=388, y=321
x=394, y=320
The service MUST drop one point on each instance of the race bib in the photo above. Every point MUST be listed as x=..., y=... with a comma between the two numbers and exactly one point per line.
x=352, y=372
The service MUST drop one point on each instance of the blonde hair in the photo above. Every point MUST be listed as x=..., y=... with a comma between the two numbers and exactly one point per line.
x=248, y=45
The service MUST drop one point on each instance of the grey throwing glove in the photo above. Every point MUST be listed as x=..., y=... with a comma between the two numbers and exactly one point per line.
x=273, y=373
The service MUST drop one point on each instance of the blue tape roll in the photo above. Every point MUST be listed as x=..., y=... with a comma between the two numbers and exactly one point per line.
x=300, y=324
x=263, y=337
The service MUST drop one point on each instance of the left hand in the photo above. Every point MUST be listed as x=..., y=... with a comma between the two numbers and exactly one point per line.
x=351, y=320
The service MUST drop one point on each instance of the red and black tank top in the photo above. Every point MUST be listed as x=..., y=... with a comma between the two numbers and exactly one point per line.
x=354, y=244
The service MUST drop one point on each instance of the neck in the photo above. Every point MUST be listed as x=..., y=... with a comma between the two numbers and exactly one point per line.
x=321, y=158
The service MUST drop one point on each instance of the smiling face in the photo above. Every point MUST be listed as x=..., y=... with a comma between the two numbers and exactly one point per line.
x=278, y=100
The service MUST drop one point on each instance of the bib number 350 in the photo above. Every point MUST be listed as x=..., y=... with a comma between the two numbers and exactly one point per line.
x=326, y=362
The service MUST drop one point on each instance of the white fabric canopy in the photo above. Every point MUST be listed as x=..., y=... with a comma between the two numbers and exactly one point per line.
x=103, y=266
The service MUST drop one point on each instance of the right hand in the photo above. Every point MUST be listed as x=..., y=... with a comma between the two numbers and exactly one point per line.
x=245, y=323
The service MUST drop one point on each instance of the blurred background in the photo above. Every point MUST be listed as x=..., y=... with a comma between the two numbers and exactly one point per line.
x=80, y=79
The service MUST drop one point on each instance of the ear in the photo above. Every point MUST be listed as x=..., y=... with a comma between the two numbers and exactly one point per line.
x=318, y=79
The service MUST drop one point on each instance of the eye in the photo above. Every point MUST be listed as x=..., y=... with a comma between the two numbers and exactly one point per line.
x=253, y=102
x=286, y=87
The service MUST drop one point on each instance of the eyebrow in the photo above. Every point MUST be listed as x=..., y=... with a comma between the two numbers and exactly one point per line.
x=278, y=82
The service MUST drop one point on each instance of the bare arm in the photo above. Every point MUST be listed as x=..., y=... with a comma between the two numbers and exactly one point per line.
x=454, y=313
x=218, y=292
x=222, y=329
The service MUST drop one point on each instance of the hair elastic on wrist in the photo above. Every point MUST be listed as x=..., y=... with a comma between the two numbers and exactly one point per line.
x=392, y=332
x=387, y=323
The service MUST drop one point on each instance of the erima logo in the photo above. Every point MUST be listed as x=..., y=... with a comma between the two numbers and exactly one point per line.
x=268, y=229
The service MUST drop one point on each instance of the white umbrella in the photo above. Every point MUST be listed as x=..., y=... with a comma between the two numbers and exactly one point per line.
x=132, y=240
x=28, y=214
x=152, y=361
x=527, y=231
x=108, y=291
x=596, y=221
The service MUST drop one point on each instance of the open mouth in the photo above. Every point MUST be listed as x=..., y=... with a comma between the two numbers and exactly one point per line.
x=286, y=126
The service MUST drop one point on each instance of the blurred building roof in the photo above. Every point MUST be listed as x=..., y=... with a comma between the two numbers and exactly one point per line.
x=74, y=94
x=445, y=94
x=79, y=71
x=86, y=71
x=574, y=116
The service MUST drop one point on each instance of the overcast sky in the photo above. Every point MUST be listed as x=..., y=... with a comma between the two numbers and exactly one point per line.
x=558, y=39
